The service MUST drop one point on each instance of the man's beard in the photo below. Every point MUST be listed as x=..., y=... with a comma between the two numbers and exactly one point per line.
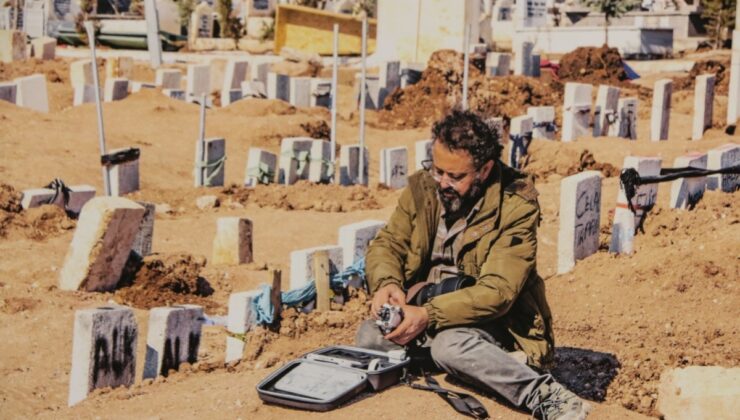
x=454, y=203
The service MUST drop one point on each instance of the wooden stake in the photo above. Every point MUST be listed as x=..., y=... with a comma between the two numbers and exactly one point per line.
x=275, y=295
x=321, y=277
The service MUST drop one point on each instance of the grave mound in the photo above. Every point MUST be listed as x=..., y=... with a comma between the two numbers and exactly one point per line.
x=602, y=65
x=717, y=67
x=10, y=199
x=547, y=158
x=38, y=223
x=164, y=280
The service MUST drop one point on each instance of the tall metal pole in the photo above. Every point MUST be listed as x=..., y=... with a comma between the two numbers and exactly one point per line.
x=363, y=93
x=334, y=94
x=200, y=175
x=98, y=105
x=466, y=65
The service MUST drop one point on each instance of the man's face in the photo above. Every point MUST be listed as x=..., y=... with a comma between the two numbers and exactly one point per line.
x=458, y=180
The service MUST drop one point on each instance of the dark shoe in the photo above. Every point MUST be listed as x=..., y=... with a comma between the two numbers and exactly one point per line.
x=553, y=401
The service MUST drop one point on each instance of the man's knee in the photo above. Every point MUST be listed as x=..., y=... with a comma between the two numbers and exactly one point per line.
x=446, y=346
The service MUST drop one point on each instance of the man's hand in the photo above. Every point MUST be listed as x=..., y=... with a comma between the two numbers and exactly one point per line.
x=389, y=293
x=415, y=321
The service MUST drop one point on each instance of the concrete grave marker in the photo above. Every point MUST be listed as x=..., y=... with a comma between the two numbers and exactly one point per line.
x=101, y=244
x=725, y=156
x=278, y=86
x=703, y=105
x=168, y=78
x=543, y=122
x=260, y=71
x=231, y=96
x=605, y=113
x=173, y=338
x=8, y=92
x=686, y=192
x=138, y=86
x=176, y=94
x=411, y=73
x=301, y=264
x=79, y=195
x=119, y=67
x=320, y=93
x=355, y=238
x=210, y=162
x=242, y=317
x=253, y=89
x=535, y=66
x=580, y=212
x=626, y=125
x=124, y=176
x=300, y=92
x=236, y=73
x=142, y=245
x=233, y=242
x=394, y=167
x=36, y=197
x=373, y=92
x=103, y=350
x=44, y=48
x=661, y=110
x=31, y=93
x=349, y=165
x=115, y=89
x=520, y=137
x=423, y=151
x=523, y=58
x=83, y=94
x=576, y=111
x=625, y=222
x=80, y=73
x=389, y=80
x=304, y=158
x=201, y=22
x=198, y=81
x=261, y=167
x=733, y=94
x=34, y=21
x=699, y=392
x=12, y=46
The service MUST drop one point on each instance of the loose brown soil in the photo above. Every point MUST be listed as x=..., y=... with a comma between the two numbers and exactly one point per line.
x=720, y=68
x=601, y=65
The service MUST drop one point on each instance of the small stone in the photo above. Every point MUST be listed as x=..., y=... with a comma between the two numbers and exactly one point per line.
x=163, y=208
x=207, y=202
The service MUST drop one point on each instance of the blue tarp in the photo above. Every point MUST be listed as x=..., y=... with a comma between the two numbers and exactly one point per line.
x=631, y=74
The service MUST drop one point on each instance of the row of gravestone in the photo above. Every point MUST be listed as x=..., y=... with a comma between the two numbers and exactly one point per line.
x=580, y=201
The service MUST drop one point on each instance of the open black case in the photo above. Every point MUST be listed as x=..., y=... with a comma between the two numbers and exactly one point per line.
x=326, y=378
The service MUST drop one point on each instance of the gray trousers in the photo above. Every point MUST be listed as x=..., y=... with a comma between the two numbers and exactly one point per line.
x=473, y=356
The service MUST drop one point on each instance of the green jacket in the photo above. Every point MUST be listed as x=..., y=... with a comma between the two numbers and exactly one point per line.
x=499, y=249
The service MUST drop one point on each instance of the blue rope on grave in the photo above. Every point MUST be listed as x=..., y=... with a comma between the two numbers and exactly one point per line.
x=263, y=173
x=298, y=297
x=217, y=164
x=304, y=158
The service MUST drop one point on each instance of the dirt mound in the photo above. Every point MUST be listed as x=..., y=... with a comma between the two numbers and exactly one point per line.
x=717, y=67
x=601, y=65
x=304, y=195
x=37, y=223
x=164, y=280
x=440, y=89
x=56, y=71
x=317, y=129
x=10, y=199
x=546, y=158
x=252, y=107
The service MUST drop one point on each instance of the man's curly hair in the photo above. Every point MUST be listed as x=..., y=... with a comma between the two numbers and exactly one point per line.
x=466, y=130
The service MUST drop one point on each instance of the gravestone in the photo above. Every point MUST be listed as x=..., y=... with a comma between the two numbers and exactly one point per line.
x=101, y=244
x=372, y=93
x=36, y=197
x=626, y=124
x=543, y=122
x=198, y=81
x=703, y=105
x=349, y=165
x=261, y=167
x=173, y=338
x=498, y=64
x=699, y=392
x=143, y=241
x=12, y=46
x=625, y=222
x=321, y=93
x=233, y=242
x=34, y=21
x=176, y=94
x=103, y=350
x=44, y=48
x=242, y=318
x=576, y=111
x=523, y=58
x=423, y=151
x=721, y=157
x=83, y=94
x=535, y=66
x=661, y=110
x=411, y=73
x=119, y=67
x=260, y=71
x=301, y=264
x=168, y=78
x=79, y=195
x=201, y=22
x=138, y=86
x=389, y=79
x=115, y=89
x=278, y=86
x=124, y=176
x=520, y=137
x=305, y=158
x=210, y=162
x=733, y=93
x=580, y=212
x=394, y=167
x=300, y=92
x=605, y=113
x=236, y=73
x=80, y=73
x=231, y=96
x=8, y=92
x=31, y=93
x=355, y=238
x=253, y=89
x=686, y=192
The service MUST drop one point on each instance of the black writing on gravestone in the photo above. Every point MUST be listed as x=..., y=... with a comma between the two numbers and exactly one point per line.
x=61, y=7
x=587, y=201
x=115, y=357
x=587, y=204
x=398, y=170
x=261, y=4
x=171, y=354
x=586, y=230
x=204, y=29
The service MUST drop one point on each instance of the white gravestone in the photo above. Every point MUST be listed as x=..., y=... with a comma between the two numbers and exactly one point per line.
x=231, y=96
x=139, y=86
x=576, y=111
x=373, y=92
x=725, y=156
x=80, y=73
x=520, y=137
x=210, y=162
x=142, y=245
x=423, y=151
x=260, y=71
x=733, y=94
x=8, y=92
x=580, y=211
x=301, y=264
x=626, y=124
x=198, y=81
x=242, y=317
x=103, y=350
x=625, y=222
x=703, y=105
x=261, y=167
x=278, y=86
x=543, y=122
x=320, y=93
x=44, y=48
x=31, y=93
x=115, y=89
x=300, y=92
x=78, y=196
x=154, y=44
x=12, y=46
x=34, y=22
x=236, y=73
x=699, y=392
x=83, y=94
x=176, y=94
x=253, y=89
x=605, y=113
x=411, y=73
x=535, y=70
x=233, y=242
x=173, y=338
x=168, y=78
x=349, y=165
x=394, y=167
x=355, y=238
x=201, y=22
x=101, y=244
x=686, y=192
x=389, y=80
x=661, y=110
x=304, y=158
x=523, y=58
x=124, y=177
